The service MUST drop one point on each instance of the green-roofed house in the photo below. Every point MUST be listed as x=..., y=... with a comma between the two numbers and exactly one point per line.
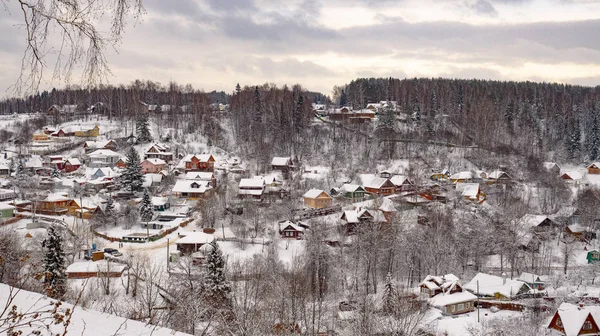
x=593, y=256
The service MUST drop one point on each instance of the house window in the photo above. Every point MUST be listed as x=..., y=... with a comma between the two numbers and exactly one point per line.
x=461, y=306
x=424, y=290
x=559, y=323
x=452, y=308
x=468, y=305
x=587, y=325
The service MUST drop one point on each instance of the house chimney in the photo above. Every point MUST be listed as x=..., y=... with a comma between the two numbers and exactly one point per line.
x=580, y=306
x=503, y=278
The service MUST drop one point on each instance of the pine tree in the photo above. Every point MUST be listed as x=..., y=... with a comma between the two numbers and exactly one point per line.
x=390, y=296
x=509, y=116
x=343, y=99
x=238, y=88
x=298, y=121
x=55, y=173
x=142, y=130
x=216, y=285
x=257, y=106
x=574, y=141
x=594, y=139
x=55, y=277
x=146, y=209
x=132, y=177
x=416, y=107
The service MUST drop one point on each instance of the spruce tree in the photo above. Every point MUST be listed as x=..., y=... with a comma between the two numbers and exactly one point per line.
x=146, y=209
x=594, y=139
x=132, y=177
x=416, y=107
x=55, y=172
x=142, y=129
x=574, y=141
x=216, y=285
x=257, y=106
x=55, y=277
x=343, y=99
x=390, y=296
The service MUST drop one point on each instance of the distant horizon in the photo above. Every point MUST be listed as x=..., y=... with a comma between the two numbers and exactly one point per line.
x=321, y=43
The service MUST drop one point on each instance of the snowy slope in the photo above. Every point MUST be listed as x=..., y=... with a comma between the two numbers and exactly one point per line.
x=84, y=322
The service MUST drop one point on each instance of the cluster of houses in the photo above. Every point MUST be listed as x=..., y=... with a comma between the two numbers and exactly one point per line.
x=348, y=114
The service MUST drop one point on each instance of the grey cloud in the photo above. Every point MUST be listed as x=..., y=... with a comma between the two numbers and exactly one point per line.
x=484, y=7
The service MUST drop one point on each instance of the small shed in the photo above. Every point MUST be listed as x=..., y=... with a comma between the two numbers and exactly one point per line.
x=594, y=168
x=193, y=241
x=593, y=256
x=317, y=199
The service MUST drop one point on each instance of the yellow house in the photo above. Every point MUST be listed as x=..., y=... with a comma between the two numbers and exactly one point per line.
x=40, y=137
x=88, y=211
x=317, y=199
x=94, y=132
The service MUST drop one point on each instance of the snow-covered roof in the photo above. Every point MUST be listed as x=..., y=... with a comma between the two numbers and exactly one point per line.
x=156, y=161
x=550, y=165
x=73, y=161
x=82, y=321
x=573, y=316
x=351, y=216
x=292, y=226
x=104, y=153
x=201, y=158
x=530, y=277
x=205, y=176
x=470, y=190
x=57, y=197
x=159, y=200
x=350, y=187
x=444, y=299
x=496, y=174
x=464, y=175
x=6, y=206
x=35, y=161
x=489, y=285
x=384, y=204
x=531, y=221
x=104, y=171
x=376, y=182
x=153, y=177
x=252, y=183
x=190, y=186
x=196, y=238
x=280, y=161
x=95, y=266
x=315, y=193
x=573, y=175
x=399, y=180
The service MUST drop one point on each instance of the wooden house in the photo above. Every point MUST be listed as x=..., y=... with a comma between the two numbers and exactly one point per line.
x=40, y=137
x=94, y=132
x=7, y=211
x=574, y=320
x=593, y=256
x=358, y=217
x=190, y=189
x=471, y=192
x=380, y=186
x=498, y=176
x=402, y=183
x=251, y=188
x=202, y=176
x=71, y=165
x=90, y=146
x=552, y=167
x=90, y=269
x=353, y=192
x=159, y=151
x=572, y=177
x=291, y=230
x=580, y=232
x=86, y=210
x=204, y=162
x=121, y=163
x=594, y=168
x=461, y=177
x=59, y=134
x=151, y=166
x=447, y=294
x=442, y=175
x=540, y=224
x=103, y=158
x=193, y=241
x=317, y=199
x=497, y=287
x=160, y=203
x=283, y=164
x=533, y=280
x=54, y=204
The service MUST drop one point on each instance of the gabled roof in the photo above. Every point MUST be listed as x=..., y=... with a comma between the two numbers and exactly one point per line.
x=447, y=298
x=470, y=190
x=497, y=174
x=351, y=188
x=398, y=180
x=464, y=175
x=189, y=186
x=350, y=216
x=530, y=277
x=252, y=183
x=292, y=226
x=489, y=285
x=73, y=161
x=594, y=165
x=316, y=193
x=205, y=176
x=281, y=161
x=573, y=317
x=104, y=153
x=531, y=221
x=571, y=175
x=156, y=162
x=551, y=165
x=196, y=238
x=156, y=200
x=377, y=183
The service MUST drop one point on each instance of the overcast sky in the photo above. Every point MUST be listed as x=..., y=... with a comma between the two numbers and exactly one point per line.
x=214, y=44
